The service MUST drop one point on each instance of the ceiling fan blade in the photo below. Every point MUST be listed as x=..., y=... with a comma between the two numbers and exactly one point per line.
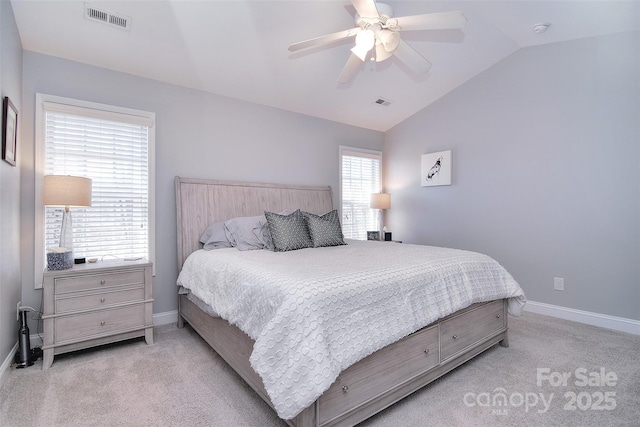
x=350, y=69
x=411, y=58
x=322, y=40
x=366, y=8
x=429, y=21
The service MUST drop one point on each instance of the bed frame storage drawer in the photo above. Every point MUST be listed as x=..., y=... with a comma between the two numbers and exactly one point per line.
x=477, y=324
x=379, y=372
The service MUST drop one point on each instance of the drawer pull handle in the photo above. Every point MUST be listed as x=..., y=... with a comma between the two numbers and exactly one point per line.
x=497, y=316
x=455, y=337
x=102, y=300
x=102, y=323
x=345, y=388
x=102, y=282
x=426, y=351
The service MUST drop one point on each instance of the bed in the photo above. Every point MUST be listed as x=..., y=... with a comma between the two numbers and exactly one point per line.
x=357, y=386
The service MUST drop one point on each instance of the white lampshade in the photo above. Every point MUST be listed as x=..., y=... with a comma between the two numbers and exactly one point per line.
x=64, y=190
x=380, y=201
x=364, y=43
x=67, y=191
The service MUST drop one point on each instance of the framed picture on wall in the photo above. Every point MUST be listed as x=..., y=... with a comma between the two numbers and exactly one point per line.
x=9, y=131
x=436, y=169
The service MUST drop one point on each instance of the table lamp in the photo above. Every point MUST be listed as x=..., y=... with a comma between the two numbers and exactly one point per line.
x=67, y=191
x=380, y=201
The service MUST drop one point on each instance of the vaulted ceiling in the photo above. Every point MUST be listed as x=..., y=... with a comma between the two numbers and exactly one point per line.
x=238, y=48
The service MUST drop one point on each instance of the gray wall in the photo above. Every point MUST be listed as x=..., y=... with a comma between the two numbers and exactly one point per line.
x=197, y=135
x=10, y=84
x=546, y=172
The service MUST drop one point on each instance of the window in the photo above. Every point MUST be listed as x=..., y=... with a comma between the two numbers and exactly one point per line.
x=359, y=177
x=112, y=146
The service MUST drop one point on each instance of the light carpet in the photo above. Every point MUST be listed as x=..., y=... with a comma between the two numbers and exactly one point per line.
x=180, y=381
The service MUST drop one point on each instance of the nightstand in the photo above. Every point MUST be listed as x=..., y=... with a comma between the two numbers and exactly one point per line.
x=95, y=304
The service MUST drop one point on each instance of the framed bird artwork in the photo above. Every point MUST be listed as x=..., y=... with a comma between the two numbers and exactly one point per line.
x=436, y=169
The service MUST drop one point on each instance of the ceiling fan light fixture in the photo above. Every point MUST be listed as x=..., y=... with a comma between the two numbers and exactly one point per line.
x=382, y=53
x=365, y=41
x=389, y=39
x=359, y=52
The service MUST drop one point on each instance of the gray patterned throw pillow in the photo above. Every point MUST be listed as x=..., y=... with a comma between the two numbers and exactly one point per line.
x=325, y=230
x=288, y=232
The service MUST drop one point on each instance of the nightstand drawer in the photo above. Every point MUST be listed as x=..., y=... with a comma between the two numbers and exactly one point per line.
x=98, y=281
x=68, y=328
x=464, y=330
x=69, y=303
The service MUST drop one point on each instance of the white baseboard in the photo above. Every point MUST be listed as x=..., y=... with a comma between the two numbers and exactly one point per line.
x=165, y=318
x=602, y=320
x=4, y=369
x=35, y=340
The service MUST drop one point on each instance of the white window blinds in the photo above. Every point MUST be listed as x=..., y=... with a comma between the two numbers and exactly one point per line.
x=113, y=150
x=360, y=172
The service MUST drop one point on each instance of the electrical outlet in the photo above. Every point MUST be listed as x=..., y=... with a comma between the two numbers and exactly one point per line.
x=18, y=311
x=558, y=283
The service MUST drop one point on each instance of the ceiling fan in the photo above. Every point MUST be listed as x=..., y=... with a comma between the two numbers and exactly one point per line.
x=377, y=33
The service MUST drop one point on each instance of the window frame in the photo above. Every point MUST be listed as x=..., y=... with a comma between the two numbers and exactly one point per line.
x=87, y=108
x=344, y=150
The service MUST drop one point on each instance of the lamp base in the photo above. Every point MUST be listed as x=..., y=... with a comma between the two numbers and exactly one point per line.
x=66, y=232
x=60, y=260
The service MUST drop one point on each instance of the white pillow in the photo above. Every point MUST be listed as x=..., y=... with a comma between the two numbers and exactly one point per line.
x=248, y=233
x=215, y=237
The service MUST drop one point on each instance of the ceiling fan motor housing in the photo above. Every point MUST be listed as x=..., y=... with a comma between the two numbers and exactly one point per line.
x=384, y=12
x=388, y=38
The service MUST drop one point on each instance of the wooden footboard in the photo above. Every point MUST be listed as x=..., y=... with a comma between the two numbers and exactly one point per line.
x=380, y=379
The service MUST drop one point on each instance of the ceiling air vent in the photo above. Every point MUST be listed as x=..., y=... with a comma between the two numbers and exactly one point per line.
x=100, y=15
x=382, y=101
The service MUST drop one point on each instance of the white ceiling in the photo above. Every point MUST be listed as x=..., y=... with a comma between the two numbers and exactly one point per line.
x=239, y=48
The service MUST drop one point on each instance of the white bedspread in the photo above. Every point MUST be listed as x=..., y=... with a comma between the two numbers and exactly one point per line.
x=314, y=312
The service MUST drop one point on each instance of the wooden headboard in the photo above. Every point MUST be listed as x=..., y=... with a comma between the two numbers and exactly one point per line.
x=200, y=202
